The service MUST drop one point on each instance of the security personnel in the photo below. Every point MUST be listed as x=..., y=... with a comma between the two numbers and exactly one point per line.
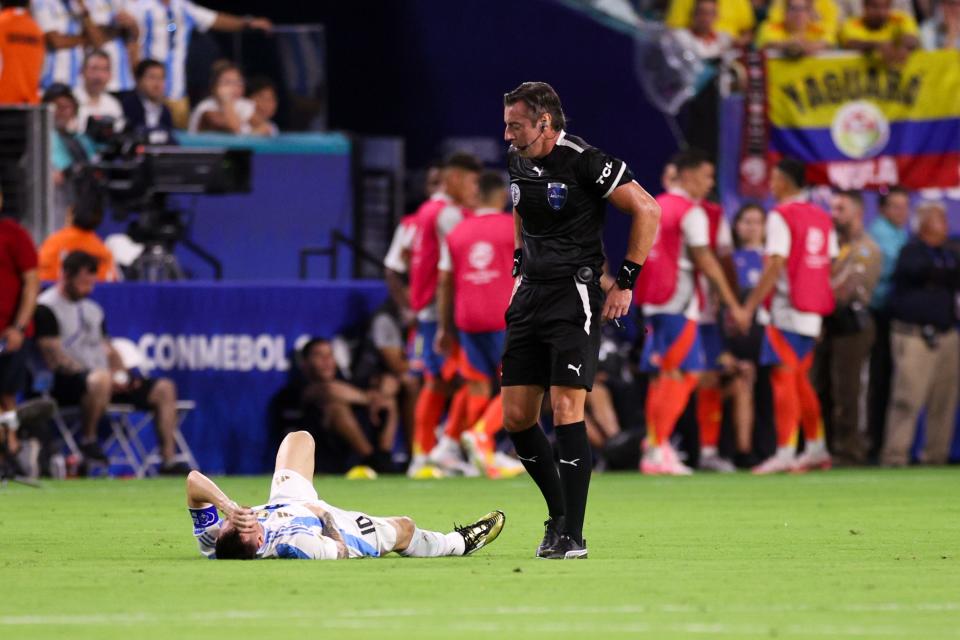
x=559, y=186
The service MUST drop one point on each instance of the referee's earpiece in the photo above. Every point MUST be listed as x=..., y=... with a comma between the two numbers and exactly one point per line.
x=543, y=125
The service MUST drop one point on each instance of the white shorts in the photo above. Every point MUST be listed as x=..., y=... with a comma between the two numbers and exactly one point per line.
x=365, y=535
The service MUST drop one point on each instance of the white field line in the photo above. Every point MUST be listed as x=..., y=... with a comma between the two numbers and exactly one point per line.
x=397, y=619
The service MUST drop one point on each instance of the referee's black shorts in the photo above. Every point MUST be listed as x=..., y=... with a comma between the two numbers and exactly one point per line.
x=553, y=334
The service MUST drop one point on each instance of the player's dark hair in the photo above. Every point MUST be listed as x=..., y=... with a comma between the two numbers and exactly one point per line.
x=145, y=65
x=87, y=201
x=490, y=182
x=10, y=4
x=540, y=98
x=894, y=190
x=256, y=84
x=60, y=90
x=794, y=170
x=853, y=195
x=308, y=347
x=79, y=261
x=689, y=159
x=464, y=161
x=231, y=546
x=95, y=53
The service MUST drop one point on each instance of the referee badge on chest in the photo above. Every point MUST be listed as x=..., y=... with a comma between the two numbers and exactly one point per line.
x=556, y=195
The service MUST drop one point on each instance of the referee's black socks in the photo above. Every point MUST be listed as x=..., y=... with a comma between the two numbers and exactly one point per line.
x=576, y=464
x=536, y=454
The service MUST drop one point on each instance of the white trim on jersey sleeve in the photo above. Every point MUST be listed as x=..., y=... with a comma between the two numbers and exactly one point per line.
x=446, y=262
x=449, y=217
x=616, y=181
x=696, y=228
x=778, y=236
x=724, y=238
x=201, y=15
x=400, y=241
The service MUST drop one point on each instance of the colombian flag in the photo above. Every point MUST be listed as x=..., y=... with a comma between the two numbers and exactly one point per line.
x=857, y=123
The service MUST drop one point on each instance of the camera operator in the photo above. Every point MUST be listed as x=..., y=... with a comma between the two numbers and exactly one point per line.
x=146, y=112
x=91, y=92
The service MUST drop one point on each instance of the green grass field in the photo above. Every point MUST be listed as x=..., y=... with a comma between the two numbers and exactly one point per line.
x=859, y=554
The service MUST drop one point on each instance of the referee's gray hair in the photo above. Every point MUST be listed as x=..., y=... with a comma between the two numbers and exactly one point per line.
x=540, y=98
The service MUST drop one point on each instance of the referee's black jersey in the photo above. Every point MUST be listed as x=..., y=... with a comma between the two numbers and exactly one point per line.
x=561, y=200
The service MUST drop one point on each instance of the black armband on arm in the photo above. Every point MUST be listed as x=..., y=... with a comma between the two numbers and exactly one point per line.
x=627, y=276
x=517, y=261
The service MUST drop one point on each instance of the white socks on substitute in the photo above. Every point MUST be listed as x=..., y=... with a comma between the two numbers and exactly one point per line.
x=433, y=544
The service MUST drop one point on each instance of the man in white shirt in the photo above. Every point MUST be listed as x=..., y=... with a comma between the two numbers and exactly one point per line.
x=801, y=243
x=91, y=92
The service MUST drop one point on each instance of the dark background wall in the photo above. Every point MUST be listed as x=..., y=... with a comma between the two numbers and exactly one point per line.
x=428, y=70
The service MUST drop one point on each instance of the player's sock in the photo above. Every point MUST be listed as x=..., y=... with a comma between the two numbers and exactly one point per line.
x=786, y=407
x=576, y=464
x=536, y=454
x=709, y=418
x=427, y=414
x=811, y=417
x=673, y=393
x=457, y=416
x=475, y=408
x=492, y=419
x=433, y=544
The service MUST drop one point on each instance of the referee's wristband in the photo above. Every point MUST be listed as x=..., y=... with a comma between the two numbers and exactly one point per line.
x=517, y=261
x=627, y=276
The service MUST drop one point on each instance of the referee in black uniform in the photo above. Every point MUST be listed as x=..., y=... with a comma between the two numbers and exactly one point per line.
x=560, y=186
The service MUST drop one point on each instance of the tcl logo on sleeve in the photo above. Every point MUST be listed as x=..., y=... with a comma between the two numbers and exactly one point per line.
x=607, y=170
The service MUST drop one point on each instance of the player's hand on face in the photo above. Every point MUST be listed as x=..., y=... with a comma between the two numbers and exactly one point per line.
x=617, y=303
x=243, y=519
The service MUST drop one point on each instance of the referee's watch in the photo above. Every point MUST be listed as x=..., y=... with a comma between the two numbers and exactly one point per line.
x=627, y=276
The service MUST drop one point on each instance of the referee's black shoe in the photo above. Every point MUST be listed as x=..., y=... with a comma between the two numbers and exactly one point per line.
x=568, y=549
x=551, y=536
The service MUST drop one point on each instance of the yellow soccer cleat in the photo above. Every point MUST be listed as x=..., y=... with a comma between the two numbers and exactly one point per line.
x=482, y=532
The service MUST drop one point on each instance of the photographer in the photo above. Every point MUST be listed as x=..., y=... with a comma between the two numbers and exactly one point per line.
x=91, y=92
x=926, y=349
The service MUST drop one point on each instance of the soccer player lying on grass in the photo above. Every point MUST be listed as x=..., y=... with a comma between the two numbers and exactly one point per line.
x=295, y=523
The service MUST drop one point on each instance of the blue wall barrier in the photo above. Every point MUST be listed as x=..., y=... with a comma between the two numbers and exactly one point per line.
x=228, y=346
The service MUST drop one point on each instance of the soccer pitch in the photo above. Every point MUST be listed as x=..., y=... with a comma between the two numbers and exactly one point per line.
x=860, y=554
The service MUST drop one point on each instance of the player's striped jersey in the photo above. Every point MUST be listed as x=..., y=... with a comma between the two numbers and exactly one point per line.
x=291, y=531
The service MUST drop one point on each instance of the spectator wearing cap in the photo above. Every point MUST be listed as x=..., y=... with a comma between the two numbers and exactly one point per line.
x=21, y=54
x=926, y=347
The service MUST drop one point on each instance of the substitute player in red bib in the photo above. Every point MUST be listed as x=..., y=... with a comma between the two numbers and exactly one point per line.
x=433, y=221
x=673, y=352
x=560, y=186
x=476, y=263
x=801, y=242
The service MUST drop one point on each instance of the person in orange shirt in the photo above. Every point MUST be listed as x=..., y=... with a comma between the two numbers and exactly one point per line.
x=21, y=54
x=79, y=235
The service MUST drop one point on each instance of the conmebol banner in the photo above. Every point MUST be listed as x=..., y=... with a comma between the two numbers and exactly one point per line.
x=860, y=124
